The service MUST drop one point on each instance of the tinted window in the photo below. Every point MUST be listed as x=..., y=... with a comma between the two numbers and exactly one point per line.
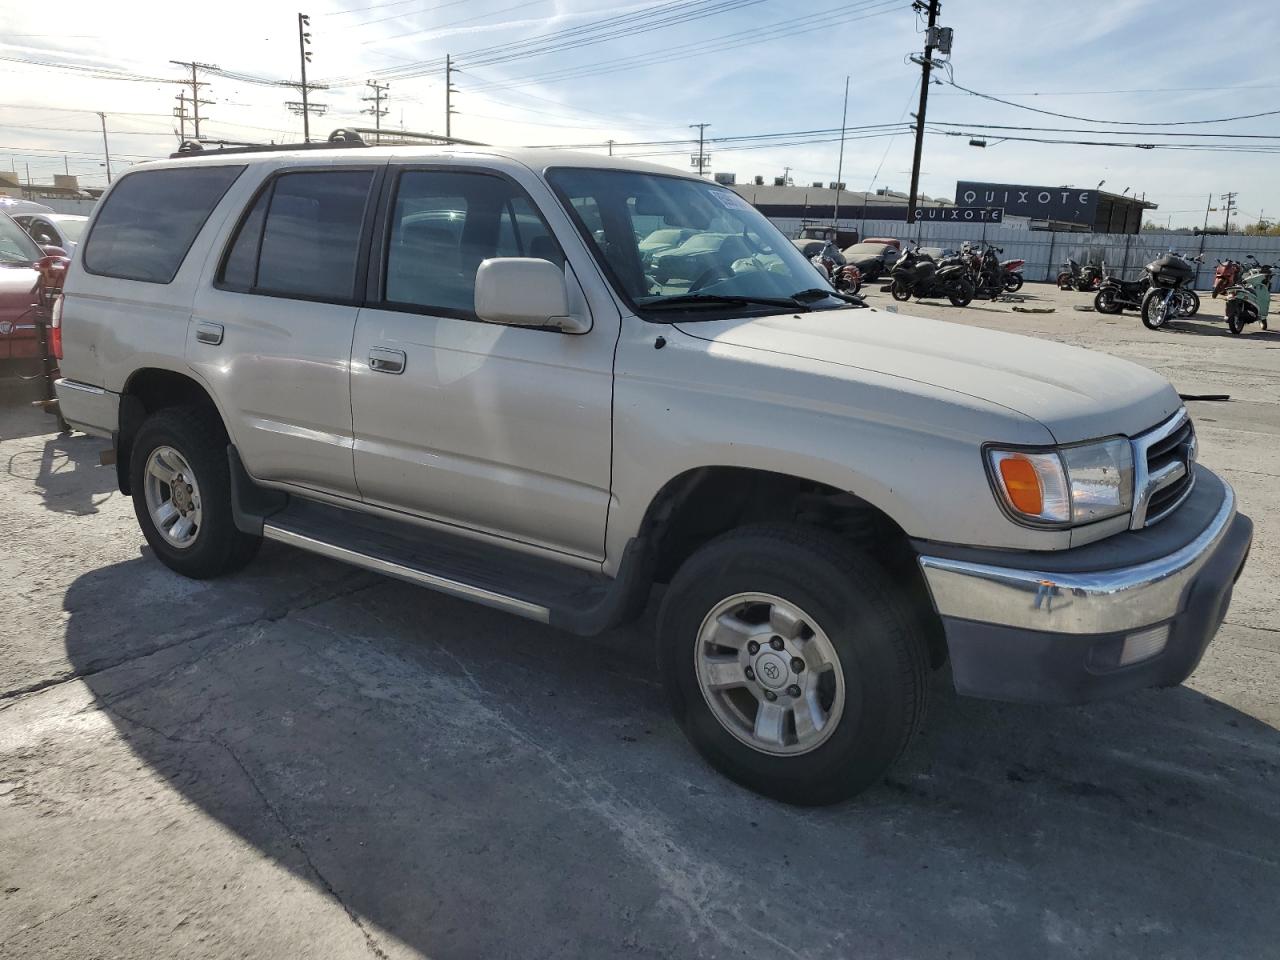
x=240, y=268
x=311, y=237
x=15, y=245
x=150, y=219
x=444, y=224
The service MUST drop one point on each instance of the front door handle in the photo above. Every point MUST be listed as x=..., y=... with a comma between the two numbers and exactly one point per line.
x=210, y=333
x=386, y=360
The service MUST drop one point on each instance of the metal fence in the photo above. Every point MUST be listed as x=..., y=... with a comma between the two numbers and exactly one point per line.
x=1045, y=252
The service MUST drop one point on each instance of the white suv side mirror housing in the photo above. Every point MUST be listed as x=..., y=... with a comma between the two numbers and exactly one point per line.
x=525, y=292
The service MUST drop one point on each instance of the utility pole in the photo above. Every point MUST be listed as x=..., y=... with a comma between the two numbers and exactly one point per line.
x=786, y=175
x=610, y=143
x=702, y=159
x=195, y=83
x=449, y=91
x=1207, y=207
x=844, y=120
x=926, y=65
x=1229, y=201
x=106, y=150
x=180, y=111
x=378, y=110
x=304, y=40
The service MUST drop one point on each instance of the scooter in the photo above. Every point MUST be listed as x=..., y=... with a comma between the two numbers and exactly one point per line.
x=1226, y=274
x=1076, y=277
x=1116, y=295
x=1250, y=300
x=917, y=275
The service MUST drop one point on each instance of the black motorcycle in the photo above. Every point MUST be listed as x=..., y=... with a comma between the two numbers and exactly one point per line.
x=1076, y=277
x=918, y=275
x=990, y=276
x=1116, y=295
x=1170, y=295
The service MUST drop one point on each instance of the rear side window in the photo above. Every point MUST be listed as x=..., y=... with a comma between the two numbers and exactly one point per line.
x=302, y=237
x=149, y=221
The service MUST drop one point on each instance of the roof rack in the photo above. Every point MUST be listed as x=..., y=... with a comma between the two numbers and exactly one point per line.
x=342, y=137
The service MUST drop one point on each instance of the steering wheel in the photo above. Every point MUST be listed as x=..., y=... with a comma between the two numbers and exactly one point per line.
x=709, y=276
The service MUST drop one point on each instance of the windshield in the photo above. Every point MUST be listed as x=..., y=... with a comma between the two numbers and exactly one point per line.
x=667, y=241
x=15, y=245
x=72, y=228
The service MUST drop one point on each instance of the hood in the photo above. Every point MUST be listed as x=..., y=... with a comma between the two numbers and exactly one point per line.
x=17, y=291
x=1076, y=394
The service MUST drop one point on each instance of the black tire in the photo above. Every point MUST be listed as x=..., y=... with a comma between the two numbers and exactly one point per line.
x=1149, y=310
x=960, y=293
x=881, y=649
x=1012, y=282
x=219, y=546
x=900, y=291
x=1195, y=302
x=1105, y=301
x=1235, y=319
x=1064, y=281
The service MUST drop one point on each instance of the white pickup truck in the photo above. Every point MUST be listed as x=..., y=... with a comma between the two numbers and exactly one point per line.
x=465, y=367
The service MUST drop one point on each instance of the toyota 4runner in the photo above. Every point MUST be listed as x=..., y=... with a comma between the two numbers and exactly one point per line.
x=464, y=367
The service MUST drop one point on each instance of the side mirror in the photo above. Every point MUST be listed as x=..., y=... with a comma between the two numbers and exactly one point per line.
x=53, y=250
x=525, y=292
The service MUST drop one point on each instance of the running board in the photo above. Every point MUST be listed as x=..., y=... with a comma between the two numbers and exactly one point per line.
x=516, y=582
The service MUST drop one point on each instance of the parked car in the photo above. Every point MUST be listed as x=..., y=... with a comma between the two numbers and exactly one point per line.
x=836, y=499
x=23, y=269
x=53, y=229
x=874, y=258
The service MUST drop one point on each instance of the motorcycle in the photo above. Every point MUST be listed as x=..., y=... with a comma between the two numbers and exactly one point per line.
x=1250, y=300
x=1116, y=295
x=1076, y=277
x=1170, y=295
x=845, y=277
x=1011, y=273
x=918, y=275
x=995, y=276
x=1226, y=274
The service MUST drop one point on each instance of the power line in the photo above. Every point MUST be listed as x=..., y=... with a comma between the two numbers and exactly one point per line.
x=1116, y=123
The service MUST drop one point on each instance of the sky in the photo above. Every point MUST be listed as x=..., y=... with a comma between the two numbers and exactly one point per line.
x=635, y=75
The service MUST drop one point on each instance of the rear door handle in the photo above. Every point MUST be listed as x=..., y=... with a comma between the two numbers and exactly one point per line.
x=386, y=360
x=210, y=333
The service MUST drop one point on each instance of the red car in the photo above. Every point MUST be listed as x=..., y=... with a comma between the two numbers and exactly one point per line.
x=28, y=275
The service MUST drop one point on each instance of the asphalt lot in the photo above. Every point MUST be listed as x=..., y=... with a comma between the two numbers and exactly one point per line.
x=306, y=760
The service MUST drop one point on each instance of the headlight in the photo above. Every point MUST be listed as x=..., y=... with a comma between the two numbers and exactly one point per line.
x=1067, y=486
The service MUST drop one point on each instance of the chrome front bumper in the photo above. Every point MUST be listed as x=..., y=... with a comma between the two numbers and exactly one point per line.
x=1083, y=624
x=1103, y=602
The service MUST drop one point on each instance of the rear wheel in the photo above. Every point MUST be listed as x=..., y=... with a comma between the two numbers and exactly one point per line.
x=900, y=290
x=1105, y=301
x=1064, y=281
x=791, y=663
x=181, y=485
x=1192, y=302
x=1013, y=282
x=1155, y=309
x=960, y=293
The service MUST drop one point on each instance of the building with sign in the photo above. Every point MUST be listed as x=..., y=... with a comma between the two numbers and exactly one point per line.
x=818, y=202
x=1058, y=208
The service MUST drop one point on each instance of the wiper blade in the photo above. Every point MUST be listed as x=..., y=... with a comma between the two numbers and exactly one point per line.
x=816, y=293
x=723, y=300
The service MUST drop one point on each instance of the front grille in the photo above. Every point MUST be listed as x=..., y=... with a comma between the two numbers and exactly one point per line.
x=1176, y=448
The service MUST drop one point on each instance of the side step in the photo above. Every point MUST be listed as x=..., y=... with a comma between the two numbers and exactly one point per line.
x=557, y=594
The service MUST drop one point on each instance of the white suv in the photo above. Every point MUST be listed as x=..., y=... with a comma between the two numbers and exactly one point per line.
x=465, y=368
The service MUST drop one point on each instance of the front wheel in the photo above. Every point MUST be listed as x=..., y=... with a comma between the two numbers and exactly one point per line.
x=960, y=293
x=181, y=485
x=1064, y=281
x=791, y=663
x=1155, y=309
x=900, y=291
x=1235, y=318
x=1012, y=282
x=1105, y=301
x=1192, y=301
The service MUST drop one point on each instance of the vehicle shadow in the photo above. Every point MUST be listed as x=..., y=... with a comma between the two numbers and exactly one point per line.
x=65, y=470
x=476, y=785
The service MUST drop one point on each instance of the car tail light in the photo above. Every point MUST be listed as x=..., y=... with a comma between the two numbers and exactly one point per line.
x=55, y=328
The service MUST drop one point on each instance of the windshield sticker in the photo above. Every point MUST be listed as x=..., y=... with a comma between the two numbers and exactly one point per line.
x=730, y=200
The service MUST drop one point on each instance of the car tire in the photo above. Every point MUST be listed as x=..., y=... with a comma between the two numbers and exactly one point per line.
x=839, y=615
x=187, y=518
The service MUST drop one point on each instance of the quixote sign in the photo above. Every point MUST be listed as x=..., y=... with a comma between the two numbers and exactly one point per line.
x=961, y=214
x=1039, y=203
